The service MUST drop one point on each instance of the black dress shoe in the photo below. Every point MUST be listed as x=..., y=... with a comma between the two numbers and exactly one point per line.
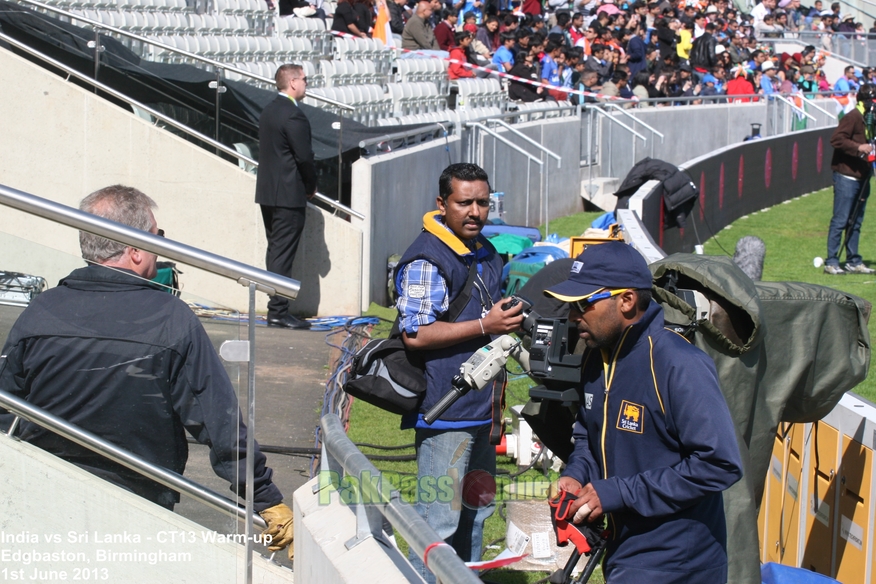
x=288, y=321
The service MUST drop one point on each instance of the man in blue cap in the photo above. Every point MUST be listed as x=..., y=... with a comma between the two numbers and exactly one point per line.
x=654, y=442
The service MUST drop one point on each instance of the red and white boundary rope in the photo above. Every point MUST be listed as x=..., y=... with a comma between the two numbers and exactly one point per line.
x=501, y=73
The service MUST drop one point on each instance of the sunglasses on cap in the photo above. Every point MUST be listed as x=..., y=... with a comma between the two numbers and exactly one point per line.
x=584, y=303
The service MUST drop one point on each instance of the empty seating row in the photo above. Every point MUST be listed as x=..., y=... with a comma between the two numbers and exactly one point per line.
x=370, y=101
x=457, y=117
x=434, y=70
x=309, y=28
x=268, y=70
x=555, y=110
x=367, y=49
x=258, y=8
x=358, y=72
x=416, y=98
x=170, y=24
x=480, y=93
x=141, y=5
x=235, y=49
x=157, y=5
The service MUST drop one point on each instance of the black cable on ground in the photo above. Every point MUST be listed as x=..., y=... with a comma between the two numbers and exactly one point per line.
x=379, y=447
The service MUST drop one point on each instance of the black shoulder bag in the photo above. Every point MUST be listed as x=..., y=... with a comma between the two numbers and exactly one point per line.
x=386, y=374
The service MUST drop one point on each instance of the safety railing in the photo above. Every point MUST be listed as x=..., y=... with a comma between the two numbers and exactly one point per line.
x=654, y=132
x=851, y=49
x=340, y=454
x=264, y=281
x=477, y=147
x=70, y=72
x=545, y=152
x=254, y=278
x=24, y=410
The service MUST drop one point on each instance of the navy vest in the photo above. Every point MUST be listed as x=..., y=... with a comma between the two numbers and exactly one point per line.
x=443, y=364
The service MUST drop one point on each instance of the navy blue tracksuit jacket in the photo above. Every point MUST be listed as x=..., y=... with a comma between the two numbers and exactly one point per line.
x=655, y=437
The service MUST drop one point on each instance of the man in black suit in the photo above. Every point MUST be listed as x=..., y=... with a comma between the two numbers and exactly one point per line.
x=286, y=180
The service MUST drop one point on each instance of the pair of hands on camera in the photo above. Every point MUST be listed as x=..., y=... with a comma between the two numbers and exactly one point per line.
x=586, y=506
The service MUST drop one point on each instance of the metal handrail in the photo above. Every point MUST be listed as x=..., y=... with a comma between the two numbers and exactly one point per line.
x=811, y=102
x=443, y=125
x=801, y=41
x=402, y=135
x=508, y=143
x=118, y=95
x=265, y=281
x=443, y=561
x=520, y=134
x=620, y=123
x=634, y=118
x=142, y=39
x=794, y=106
x=170, y=479
x=158, y=115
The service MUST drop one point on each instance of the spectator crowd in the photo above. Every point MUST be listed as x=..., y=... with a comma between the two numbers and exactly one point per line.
x=684, y=51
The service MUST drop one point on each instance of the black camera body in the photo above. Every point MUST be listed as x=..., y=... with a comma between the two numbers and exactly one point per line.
x=552, y=361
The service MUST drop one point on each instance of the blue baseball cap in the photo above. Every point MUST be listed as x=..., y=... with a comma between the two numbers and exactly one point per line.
x=610, y=265
x=709, y=78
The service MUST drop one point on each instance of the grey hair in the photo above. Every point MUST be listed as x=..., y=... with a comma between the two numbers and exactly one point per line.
x=117, y=203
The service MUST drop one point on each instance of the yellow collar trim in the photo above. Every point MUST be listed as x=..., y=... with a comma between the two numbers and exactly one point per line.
x=433, y=224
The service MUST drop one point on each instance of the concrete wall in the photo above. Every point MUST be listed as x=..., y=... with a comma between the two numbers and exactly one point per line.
x=322, y=527
x=688, y=132
x=78, y=520
x=508, y=170
x=691, y=131
x=394, y=191
x=60, y=142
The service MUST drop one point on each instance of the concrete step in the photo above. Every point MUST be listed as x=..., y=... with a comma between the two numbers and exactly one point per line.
x=600, y=192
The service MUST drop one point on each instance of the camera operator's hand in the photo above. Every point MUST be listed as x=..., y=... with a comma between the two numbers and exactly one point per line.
x=499, y=321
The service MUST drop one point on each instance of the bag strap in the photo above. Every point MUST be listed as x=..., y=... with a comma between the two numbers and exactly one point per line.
x=459, y=303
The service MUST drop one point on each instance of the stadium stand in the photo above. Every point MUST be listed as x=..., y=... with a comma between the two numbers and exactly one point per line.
x=250, y=39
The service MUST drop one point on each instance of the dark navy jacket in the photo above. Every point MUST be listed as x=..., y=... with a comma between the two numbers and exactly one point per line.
x=453, y=258
x=117, y=356
x=655, y=437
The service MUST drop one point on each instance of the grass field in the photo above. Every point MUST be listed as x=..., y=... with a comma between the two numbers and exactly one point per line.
x=794, y=233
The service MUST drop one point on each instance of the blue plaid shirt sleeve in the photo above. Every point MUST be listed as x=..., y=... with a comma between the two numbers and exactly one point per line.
x=422, y=296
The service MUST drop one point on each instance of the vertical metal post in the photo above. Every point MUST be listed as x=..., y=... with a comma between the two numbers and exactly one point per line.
x=541, y=176
x=547, y=194
x=340, y=154
x=528, y=186
x=220, y=89
x=250, y=431
x=610, y=147
x=13, y=426
x=493, y=174
x=96, y=51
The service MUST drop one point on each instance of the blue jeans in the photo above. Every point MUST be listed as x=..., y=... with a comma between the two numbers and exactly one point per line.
x=845, y=193
x=445, y=456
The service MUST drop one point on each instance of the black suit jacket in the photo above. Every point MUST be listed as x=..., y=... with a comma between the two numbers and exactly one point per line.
x=286, y=171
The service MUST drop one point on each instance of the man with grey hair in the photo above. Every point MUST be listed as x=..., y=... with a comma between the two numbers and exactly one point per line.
x=112, y=353
x=286, y=180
